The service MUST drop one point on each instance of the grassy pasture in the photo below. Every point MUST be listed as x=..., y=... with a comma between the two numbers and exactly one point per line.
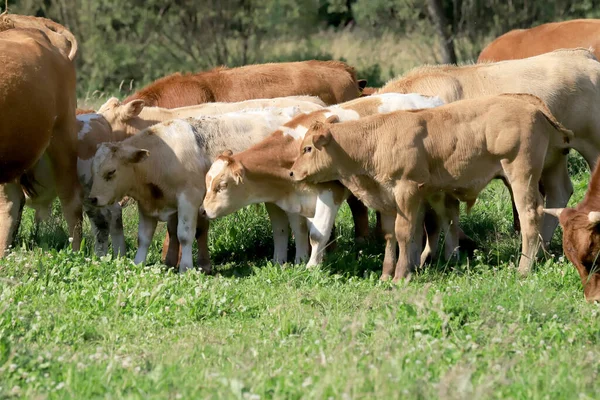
x=74, y=326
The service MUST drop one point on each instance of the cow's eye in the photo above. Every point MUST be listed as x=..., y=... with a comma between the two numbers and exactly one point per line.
x=222, y=186
x=109, y=175
x=307, y=149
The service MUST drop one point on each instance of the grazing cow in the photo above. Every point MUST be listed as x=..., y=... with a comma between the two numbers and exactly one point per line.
x=37, y=96
x=163, y=168
x=581, y=236
x=566, y=80
x=523, y=43
x=261, y=173
x=333, y=81
x=455, y=149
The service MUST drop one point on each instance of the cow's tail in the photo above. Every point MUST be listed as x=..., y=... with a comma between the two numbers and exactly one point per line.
x=568, y=135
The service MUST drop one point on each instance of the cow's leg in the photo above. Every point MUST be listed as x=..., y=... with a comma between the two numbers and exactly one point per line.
x=12, y=201
x=388, y=222
x=146, y=228
x=558, y=189
x=299, y=226
x=360, y=215
x=172, y=254
x=281, y=232
x=187, y=218
x=528, y=201
x=68, y=188
x=320, y=225
x=408, y=203
x=202, y=227
x=100, y=227
x=117, y=235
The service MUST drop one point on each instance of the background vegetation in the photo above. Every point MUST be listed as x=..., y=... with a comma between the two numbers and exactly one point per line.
x=125, y=44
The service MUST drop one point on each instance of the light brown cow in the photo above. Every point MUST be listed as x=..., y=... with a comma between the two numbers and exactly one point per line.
x=37, y=95
x=523, y=43
x=454, y=149
x=333, y=81
x=163, y=168
x=566, y=80
x=261, y=173
x=581, y=236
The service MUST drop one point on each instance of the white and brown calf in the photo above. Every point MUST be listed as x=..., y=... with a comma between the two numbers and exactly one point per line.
x=261, y=173
x=164, y=168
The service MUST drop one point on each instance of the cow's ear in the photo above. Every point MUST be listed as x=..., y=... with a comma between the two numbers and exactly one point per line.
x=227, y=153
x=238, y=172
x=594, y=217
x=133, y=109
x=362, y=83
x=321, y=139
x=332, y=119
x=134, y=156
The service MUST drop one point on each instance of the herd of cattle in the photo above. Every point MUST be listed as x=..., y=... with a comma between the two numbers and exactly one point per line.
x=302, y=138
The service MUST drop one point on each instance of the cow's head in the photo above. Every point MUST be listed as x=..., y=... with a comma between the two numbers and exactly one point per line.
x=581, y=245
x=315, y=162
x=113, y=173
x=225, y=191
x=123, y=117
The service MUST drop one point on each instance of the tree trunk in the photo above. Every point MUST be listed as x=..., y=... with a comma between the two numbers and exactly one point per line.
x=436, y=13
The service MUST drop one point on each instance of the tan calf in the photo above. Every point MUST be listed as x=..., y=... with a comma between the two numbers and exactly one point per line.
x=454, y=149
x=163, y=168
x=261, y=173
x=566, y=80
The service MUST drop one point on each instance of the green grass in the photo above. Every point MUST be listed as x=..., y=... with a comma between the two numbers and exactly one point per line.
x=73, y=326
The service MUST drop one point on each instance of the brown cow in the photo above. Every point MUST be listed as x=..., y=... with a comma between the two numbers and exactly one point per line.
x=333, y=81
x=523, y=43
x=38, y=96
x=581, y=236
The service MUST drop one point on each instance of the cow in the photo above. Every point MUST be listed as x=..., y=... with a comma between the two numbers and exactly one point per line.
x=134, y=116
x=261, y=173
x=333, y=81
x=523, y=43
x=38, y=98
x=455, y=149
x=163, y=168
x=566, y=80
x=368, y=91
x=581, y=236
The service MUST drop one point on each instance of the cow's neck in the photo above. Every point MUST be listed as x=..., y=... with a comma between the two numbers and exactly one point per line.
x=271, y=158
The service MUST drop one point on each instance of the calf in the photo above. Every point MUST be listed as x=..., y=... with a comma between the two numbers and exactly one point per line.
x=261, y=173
x=37, y=102
x=581, y=236
x=163, y=168
x=333, y=81
x=454, y=149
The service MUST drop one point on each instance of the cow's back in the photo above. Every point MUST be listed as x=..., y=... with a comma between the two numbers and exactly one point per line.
x=38, y=87
x=523, y=43
x=566, y=80
x=332, y=81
